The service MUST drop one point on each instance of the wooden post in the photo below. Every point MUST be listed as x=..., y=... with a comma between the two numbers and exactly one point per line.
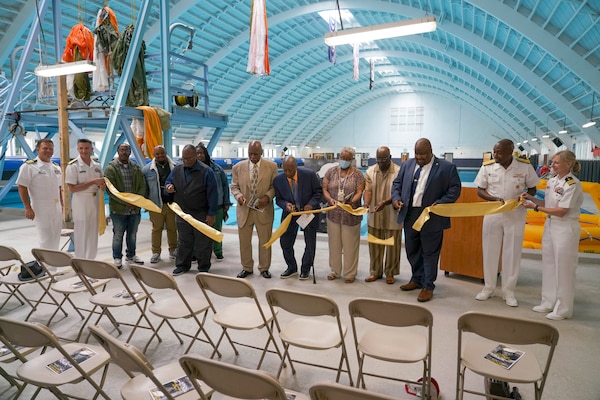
x=63, y=130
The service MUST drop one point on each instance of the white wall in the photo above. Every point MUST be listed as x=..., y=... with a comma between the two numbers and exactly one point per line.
x=446, y=124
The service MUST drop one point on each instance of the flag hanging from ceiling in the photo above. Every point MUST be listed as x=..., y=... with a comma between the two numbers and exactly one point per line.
x=355, y=61
x=331, y=49
x=258, y=54
x=372, y=74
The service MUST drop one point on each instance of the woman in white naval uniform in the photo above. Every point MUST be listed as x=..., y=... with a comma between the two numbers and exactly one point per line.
x=560, y=241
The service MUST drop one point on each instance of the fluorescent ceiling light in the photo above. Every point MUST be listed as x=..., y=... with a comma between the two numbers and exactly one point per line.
x=563, y=131
x=383, y=31
x=65, y=68
x=525, y=141
x=534, y=139
x=588, y=124
x=546, y=136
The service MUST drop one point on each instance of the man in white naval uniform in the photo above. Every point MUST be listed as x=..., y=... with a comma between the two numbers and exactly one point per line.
x=504, y=178
x=85, y=180
x=40, y=182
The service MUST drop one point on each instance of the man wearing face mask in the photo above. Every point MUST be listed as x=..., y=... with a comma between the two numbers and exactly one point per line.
x=344, y=184
x=424, y=181
x=383, y=218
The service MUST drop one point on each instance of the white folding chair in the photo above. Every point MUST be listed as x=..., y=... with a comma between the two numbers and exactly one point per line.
x=394, y=332
x=63, y=279
x=233, y=381
x=69, y=364
x=314, y=324
x=335, y=391
x=241, y=316
x=177, y=306
x=150, y=378
x=9, y=354
x=12, y=281
x=479, y=334
x=120, y=295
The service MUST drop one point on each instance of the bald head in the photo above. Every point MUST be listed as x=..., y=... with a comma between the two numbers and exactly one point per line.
x=290, y=166
x=383, y=157
x=503, y=151
x=423, y=152
x=160, y=154
x=255, y=151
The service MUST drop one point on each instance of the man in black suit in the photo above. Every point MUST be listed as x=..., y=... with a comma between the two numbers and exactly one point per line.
x=298, y=189
x=424, y=181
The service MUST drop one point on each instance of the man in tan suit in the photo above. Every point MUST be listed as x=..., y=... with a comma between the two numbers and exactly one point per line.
x=252, y=187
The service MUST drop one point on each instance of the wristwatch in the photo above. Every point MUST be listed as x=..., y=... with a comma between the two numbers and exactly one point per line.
x=536, y=208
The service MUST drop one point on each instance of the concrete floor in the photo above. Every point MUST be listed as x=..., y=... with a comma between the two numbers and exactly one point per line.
x=573, y=375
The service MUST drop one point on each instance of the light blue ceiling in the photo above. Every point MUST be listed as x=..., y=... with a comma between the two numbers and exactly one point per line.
x=530, y=67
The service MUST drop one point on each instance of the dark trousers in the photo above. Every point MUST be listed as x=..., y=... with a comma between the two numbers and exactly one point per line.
x=190, y=241
x=124, y=224
x=288, y=239
x=422, y=250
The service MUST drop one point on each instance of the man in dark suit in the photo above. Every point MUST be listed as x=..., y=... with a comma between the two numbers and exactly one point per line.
x=298, y=189
x=252, y=187
x=424, y=181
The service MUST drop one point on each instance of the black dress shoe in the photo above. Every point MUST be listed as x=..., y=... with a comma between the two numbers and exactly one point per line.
x=244, y=274
x=266, y=274
x=288, y=273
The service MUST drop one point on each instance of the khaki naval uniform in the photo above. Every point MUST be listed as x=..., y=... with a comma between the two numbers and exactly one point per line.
x=85, y=206
x=560, y=243
x=383, y=224
x=43, y=181
x=504, y=232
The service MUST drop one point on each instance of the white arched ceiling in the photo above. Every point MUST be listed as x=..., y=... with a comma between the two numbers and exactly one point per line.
x=527, y=66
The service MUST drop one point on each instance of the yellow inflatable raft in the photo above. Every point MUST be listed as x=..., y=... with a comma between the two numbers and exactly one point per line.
x=589, y=236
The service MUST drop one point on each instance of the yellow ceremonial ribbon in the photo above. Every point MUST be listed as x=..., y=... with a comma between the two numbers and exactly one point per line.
x=132, y=198
x=382, y=242
x=198, y=225
x=101, y=215
x=466, y=210
x=286, y=222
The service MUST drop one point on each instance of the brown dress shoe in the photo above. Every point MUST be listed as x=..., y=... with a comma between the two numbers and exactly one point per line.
x=425, y=295
x=389, y=279
x=410, y=286
x=372, y=278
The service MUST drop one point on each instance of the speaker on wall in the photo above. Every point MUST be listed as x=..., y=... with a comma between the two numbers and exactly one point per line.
x=557, y=142
x=521, y=148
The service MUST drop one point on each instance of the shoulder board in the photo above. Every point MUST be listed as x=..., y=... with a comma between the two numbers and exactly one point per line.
x=53, y=163
x=30, y=161
x=95, y=159
x=72, y=161
x=489, y=162
x=523, y=160
x=570, y=181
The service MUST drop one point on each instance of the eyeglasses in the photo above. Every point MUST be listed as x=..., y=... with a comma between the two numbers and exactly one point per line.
x=382, y=159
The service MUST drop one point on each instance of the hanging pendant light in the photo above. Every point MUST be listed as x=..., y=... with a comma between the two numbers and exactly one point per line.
x=591, y=121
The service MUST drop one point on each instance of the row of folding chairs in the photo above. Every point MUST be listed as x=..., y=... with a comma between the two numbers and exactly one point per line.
x=191, y=377
x=312, y=322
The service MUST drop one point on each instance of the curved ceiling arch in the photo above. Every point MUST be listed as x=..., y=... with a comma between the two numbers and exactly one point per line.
x=474, y=39
x=353, y=105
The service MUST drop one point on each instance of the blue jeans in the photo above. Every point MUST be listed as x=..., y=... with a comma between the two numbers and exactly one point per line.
x=124, y=224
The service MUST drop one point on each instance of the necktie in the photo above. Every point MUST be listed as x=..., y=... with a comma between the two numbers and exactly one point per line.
x=294, y=193
x=415, y=181
x=254, y=180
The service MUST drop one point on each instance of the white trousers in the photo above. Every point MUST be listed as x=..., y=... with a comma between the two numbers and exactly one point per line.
x=48, y=221
x=503, y=232
x=560, y=244
x=344, y=245
x=85, y=221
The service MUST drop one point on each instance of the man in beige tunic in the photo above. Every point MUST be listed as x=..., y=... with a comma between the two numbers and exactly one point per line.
x=383, y=218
